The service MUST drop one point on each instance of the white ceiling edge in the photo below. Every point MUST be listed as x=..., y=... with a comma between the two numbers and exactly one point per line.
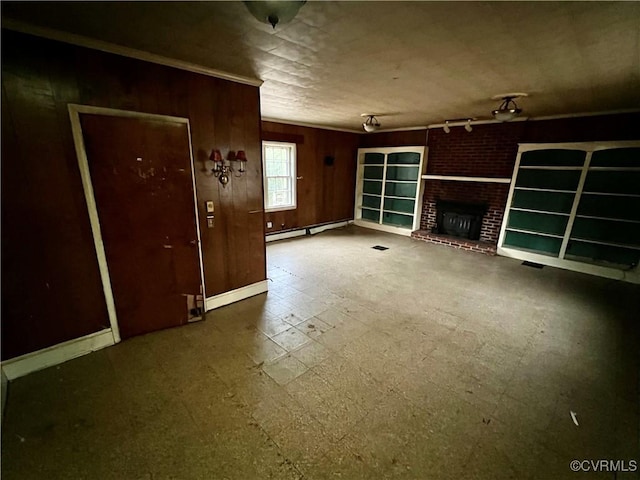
x=535, y=119
x=588, y=114
x=87, y=42
x=453, y=124
x=401, y=129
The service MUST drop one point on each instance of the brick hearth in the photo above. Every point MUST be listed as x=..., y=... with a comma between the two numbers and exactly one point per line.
x=493, y=195
x=462, y=243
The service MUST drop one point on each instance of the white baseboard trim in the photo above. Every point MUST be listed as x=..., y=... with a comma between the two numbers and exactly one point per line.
x=631, y=276
x=284, y=235
x=329, y=226
x=384, y=228
x=272, y=237
x=56, y=354
x=236, y=295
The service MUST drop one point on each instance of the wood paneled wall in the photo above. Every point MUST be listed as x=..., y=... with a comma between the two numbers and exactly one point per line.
x=51, y=289
x=325, y=192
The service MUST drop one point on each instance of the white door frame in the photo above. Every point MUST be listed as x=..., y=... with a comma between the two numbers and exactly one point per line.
x=83, y=164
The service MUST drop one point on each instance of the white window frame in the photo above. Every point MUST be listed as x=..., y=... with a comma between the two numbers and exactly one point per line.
x=293, y=172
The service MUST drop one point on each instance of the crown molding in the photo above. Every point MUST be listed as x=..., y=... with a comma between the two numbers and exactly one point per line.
x=461, y=123
x=348, y=130
x=537, y=119
x=87, y=42
x=311, y=125
x=587, y=114
x=401, y=129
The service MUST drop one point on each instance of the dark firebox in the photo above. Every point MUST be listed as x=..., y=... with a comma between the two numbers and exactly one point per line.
x=459, y=219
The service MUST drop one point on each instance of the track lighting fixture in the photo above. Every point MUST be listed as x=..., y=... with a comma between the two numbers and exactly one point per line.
x=468, y=126
x=458, y=122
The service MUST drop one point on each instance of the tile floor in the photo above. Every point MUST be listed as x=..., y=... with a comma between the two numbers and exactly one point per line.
x=418, y=362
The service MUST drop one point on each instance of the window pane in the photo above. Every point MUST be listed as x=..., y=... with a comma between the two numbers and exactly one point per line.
x=277, y=184
x=278, y=175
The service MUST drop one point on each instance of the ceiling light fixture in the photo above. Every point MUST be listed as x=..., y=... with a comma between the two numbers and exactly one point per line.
x=508, y=110
x=274, y=12
x=371, y=124
x=446, y=127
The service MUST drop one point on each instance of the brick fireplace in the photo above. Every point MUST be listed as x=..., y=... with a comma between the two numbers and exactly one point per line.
x=477, y=160
x=489, y=151
x=493, y=195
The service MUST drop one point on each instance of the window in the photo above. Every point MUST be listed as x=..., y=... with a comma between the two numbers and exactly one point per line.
x=279, y=162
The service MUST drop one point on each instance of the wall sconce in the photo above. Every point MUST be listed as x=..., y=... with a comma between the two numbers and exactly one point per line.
x=222, y=168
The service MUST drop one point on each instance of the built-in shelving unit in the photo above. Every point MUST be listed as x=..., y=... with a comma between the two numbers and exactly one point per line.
x=388, y=188
x=575, y=206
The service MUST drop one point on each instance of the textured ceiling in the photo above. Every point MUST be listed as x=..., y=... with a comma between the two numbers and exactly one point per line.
x=414, y=62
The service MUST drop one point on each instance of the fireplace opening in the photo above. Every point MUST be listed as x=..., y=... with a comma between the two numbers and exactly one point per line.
x=459, y=219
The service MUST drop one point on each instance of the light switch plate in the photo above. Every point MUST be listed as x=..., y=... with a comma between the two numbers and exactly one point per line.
x=269, y=224
x=209, y=206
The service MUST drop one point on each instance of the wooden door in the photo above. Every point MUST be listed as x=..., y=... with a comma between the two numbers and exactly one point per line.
x=142, y=181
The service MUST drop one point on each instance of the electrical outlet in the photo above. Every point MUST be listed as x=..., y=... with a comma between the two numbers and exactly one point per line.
x=269, y=224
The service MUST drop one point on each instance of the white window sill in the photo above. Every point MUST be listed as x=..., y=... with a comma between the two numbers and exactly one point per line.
x=280, y=209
